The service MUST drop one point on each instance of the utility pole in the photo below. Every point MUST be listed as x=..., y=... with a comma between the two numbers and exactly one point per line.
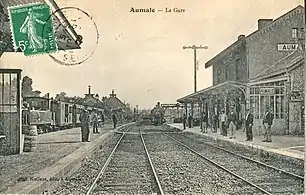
x=195, y=61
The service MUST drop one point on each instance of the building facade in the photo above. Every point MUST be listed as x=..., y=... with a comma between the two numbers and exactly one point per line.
x=262, y=69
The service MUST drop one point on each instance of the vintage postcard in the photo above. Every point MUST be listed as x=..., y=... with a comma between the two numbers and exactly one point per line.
x=152, y=97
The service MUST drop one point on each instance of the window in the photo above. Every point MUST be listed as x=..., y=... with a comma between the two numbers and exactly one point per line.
x=275, y=102
x=237, y=70
x=294, y=33
x=302, y=33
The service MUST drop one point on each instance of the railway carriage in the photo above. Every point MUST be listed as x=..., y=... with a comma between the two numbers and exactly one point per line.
x=38, y=113
x=51, y=115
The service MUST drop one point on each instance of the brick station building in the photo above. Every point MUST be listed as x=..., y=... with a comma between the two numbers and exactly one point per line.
x=263, y=68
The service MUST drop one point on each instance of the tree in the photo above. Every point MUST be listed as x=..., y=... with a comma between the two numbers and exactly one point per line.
x=104, y=98
x=61, y=96
x=36, y=93
x=26, y=86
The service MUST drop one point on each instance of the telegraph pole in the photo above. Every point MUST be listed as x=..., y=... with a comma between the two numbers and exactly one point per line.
x=195, y=62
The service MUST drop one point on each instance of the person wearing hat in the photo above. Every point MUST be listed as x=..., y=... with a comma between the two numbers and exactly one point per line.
x=223, y=120
x=248, y=125
x=85, y=121
x=232, y=120
x=267, y=123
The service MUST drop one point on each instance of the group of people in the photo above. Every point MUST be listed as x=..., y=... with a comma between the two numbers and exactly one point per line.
x=228, y=123
x=86, y=120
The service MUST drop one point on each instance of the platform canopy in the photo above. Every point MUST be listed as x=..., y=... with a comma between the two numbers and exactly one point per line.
x=6, y=44
x=219, y=89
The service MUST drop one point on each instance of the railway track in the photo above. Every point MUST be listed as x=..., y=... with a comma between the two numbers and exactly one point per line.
x=266, y=178
x=128, y=169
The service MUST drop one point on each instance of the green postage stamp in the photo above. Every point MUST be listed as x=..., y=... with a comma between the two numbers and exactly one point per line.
x=32, y=29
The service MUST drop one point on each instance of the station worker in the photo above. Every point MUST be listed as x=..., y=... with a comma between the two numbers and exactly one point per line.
x=85, y=121
x=232, y=119
x=95, y=123
x=190, y=120
x=267, y=123
x=205, y=122
x=223, y=120
x=248, y=125
x=114, y=117
x=184, y=120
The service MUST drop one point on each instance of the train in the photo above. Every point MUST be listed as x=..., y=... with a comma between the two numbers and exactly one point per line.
x=52, y=115
x=157, y=115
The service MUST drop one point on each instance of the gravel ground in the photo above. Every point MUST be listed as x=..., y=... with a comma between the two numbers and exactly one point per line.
x=129, y=171
x=81, y=180
x=182, y=172
x=281, y=163
x=51, y=148
x=265, y=178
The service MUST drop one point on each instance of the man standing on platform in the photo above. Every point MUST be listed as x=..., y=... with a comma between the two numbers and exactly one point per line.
x=95, y=123
x=184, y=121
x=232, y=119
x=190, y=121
x=114, y=117
x=223, y=119
x=248, y=125
x=85, y=121
x=267, y=122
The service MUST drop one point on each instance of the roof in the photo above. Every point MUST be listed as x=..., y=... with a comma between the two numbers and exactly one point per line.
x=255, y=33
x=219, y=88
x=7, y=46
x=295, y=58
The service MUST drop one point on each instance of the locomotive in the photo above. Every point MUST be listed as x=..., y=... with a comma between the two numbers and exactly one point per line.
x=157, y=115
x=51, y=115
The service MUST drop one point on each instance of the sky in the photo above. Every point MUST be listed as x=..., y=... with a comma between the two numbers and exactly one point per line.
x=140, y=55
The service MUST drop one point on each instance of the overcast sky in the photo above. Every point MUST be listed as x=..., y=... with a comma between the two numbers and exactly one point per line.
x=140, y=55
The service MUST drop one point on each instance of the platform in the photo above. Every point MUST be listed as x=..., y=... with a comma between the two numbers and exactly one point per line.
x=57, y=154
x=290, y=146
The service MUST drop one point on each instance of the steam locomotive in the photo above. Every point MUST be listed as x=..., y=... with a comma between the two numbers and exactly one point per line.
x=157, y=115
x=51, y=115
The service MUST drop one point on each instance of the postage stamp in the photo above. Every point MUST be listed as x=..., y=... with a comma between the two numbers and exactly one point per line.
x=27, y=25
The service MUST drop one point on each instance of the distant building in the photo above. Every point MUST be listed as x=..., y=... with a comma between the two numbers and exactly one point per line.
x=92, y=101
x=262, y=69
x=114, y=104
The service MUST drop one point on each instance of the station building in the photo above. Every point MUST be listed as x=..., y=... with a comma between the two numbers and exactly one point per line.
x=262, y=69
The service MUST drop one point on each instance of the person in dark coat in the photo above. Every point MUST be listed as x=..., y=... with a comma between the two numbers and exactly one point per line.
x=190, y=121
x=85, y=121
x=114, y=117
x=215, y=123
x=248, y=125
x=205, y=122
x=184, y=120
x=232, y=120
x=267, y=123
x=95, y=123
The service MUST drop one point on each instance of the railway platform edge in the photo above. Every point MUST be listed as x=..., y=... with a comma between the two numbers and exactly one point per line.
x=263, y=148
x=49, y=177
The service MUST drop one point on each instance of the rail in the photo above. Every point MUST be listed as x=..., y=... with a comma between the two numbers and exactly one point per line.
x=152, y=167
x=102, y=171
x=94, y=184
x=219, y=166
x=258, y=162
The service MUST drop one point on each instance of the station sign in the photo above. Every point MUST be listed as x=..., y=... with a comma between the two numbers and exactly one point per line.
x=267, y=91
x=287, y=46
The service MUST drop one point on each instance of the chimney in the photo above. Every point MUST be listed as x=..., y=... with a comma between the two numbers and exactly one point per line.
x=263, y=22
x=113, y=94
x=89, y=89
x=241, y=37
